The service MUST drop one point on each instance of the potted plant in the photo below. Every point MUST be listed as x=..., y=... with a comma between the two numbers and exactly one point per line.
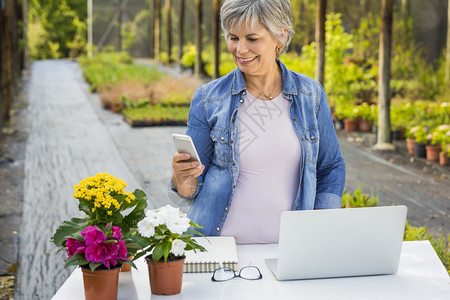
x=364, y=111
x=349, y=114
x=437, y=138
x=411, y=138
x=100, y=252
x=165, y=235
x=111, y=216
x=444, y=156
x=400, y=117
x=421, y=141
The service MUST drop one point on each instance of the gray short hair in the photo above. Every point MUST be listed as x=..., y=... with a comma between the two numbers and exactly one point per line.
x=274, y=15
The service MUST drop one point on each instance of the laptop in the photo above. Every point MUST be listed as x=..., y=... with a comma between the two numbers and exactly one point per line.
x=339, y=242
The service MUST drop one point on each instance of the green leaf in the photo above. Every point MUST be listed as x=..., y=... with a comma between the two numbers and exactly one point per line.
x=140, y=240
x=76, y=260
x=157, y=253
x=84, y=208
x=68, y=228
x=133, y=246
x=94, y=266
x=131, y=263
x=110, y=242
x=138, y=212
x=166, y=249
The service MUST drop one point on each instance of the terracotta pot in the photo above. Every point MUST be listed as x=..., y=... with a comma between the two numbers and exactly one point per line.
x=101, y=284
x=420, y=150
x=165, y=278
x=126, y=267
x=433, y=152
x=410, y=145
x=364, y=125
x=350, y=125
x=443, y=159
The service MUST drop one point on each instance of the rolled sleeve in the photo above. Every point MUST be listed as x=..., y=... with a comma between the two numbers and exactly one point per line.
x=327, y=200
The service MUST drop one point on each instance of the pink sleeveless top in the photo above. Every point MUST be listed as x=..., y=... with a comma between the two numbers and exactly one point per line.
x=269, y=166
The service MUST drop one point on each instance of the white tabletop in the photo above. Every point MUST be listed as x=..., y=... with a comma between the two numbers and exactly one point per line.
x=421, y=275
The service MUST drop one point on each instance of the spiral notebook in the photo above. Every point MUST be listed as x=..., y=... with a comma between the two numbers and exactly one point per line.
x=219, y=249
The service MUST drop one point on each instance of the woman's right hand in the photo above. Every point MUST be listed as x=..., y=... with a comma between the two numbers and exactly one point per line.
x=185, y=174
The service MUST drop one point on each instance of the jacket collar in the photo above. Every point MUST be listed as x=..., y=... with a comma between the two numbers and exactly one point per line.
x=289, y=86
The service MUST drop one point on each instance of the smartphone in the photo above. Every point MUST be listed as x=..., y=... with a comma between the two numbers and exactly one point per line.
x=184, y=144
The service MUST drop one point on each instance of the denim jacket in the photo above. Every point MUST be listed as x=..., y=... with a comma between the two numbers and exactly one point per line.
x=213, y=128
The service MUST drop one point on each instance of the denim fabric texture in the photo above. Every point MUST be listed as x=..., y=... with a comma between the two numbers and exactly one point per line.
x=213, y=128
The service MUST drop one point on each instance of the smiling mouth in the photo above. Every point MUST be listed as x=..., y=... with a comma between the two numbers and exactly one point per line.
x=246, y=59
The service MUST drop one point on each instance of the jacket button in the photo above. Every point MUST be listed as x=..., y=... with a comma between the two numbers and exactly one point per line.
x=303, y=139
x=218, y=228
x=231, y=142
x=313, y=137
x=234, y=186
x=294, y=119
x=222, y=138
x=243, y=93
x=233, y=164
x=241, y=101
x=213, y=136
x=226, y=208
x=296, y=208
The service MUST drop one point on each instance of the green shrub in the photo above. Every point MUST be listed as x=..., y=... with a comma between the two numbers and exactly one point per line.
x=157, y=113
x=358, y=199
x=110, y=68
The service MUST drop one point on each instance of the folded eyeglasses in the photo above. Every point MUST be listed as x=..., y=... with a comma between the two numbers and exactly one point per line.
x=224, y=274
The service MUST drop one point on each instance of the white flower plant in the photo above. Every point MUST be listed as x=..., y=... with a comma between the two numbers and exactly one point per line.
x=166, y=234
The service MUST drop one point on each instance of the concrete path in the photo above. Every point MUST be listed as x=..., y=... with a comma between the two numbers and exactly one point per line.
x=72, y=137
x=66, y=143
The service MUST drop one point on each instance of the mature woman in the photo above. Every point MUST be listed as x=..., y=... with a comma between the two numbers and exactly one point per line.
x=264, y=134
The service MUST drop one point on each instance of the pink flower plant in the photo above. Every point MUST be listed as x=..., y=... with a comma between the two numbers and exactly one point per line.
x=98, y=247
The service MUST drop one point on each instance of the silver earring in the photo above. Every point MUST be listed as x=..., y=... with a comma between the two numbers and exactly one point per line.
x=278, y=50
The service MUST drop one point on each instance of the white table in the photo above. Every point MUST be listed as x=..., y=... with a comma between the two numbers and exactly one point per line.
x=421, y=275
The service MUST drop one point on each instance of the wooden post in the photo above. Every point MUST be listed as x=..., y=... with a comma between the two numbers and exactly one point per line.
x=169, y=30
x=26, y=52
x=1, y=64
x=6, y=84
x=384, y=95
x=215, y=37
x=151, y=28
x=15, y=52
x=180, y=31
x=198, y=68
x=120, y=20
x=447, y=51
x=157, y=28
x=320, y=41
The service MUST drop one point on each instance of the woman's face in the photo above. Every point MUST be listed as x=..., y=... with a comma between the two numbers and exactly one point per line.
x=253, y=50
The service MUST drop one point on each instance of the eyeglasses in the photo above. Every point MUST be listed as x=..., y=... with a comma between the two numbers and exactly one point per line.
x=224, y=274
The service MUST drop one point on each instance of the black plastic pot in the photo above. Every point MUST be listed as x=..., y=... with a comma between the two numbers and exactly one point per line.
x=419, y=150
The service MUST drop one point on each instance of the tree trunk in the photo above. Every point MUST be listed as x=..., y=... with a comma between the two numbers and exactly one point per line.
x=215, y=37
x=120, y=20
x=169, y=30
x=320, y=41
x=384, y=96
x=181, y=31
x=198, y=38
x=6, y=84
x=157, y=28
x=15, y=52
x=1, y=65
x=405, y=9
x=447, y=56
